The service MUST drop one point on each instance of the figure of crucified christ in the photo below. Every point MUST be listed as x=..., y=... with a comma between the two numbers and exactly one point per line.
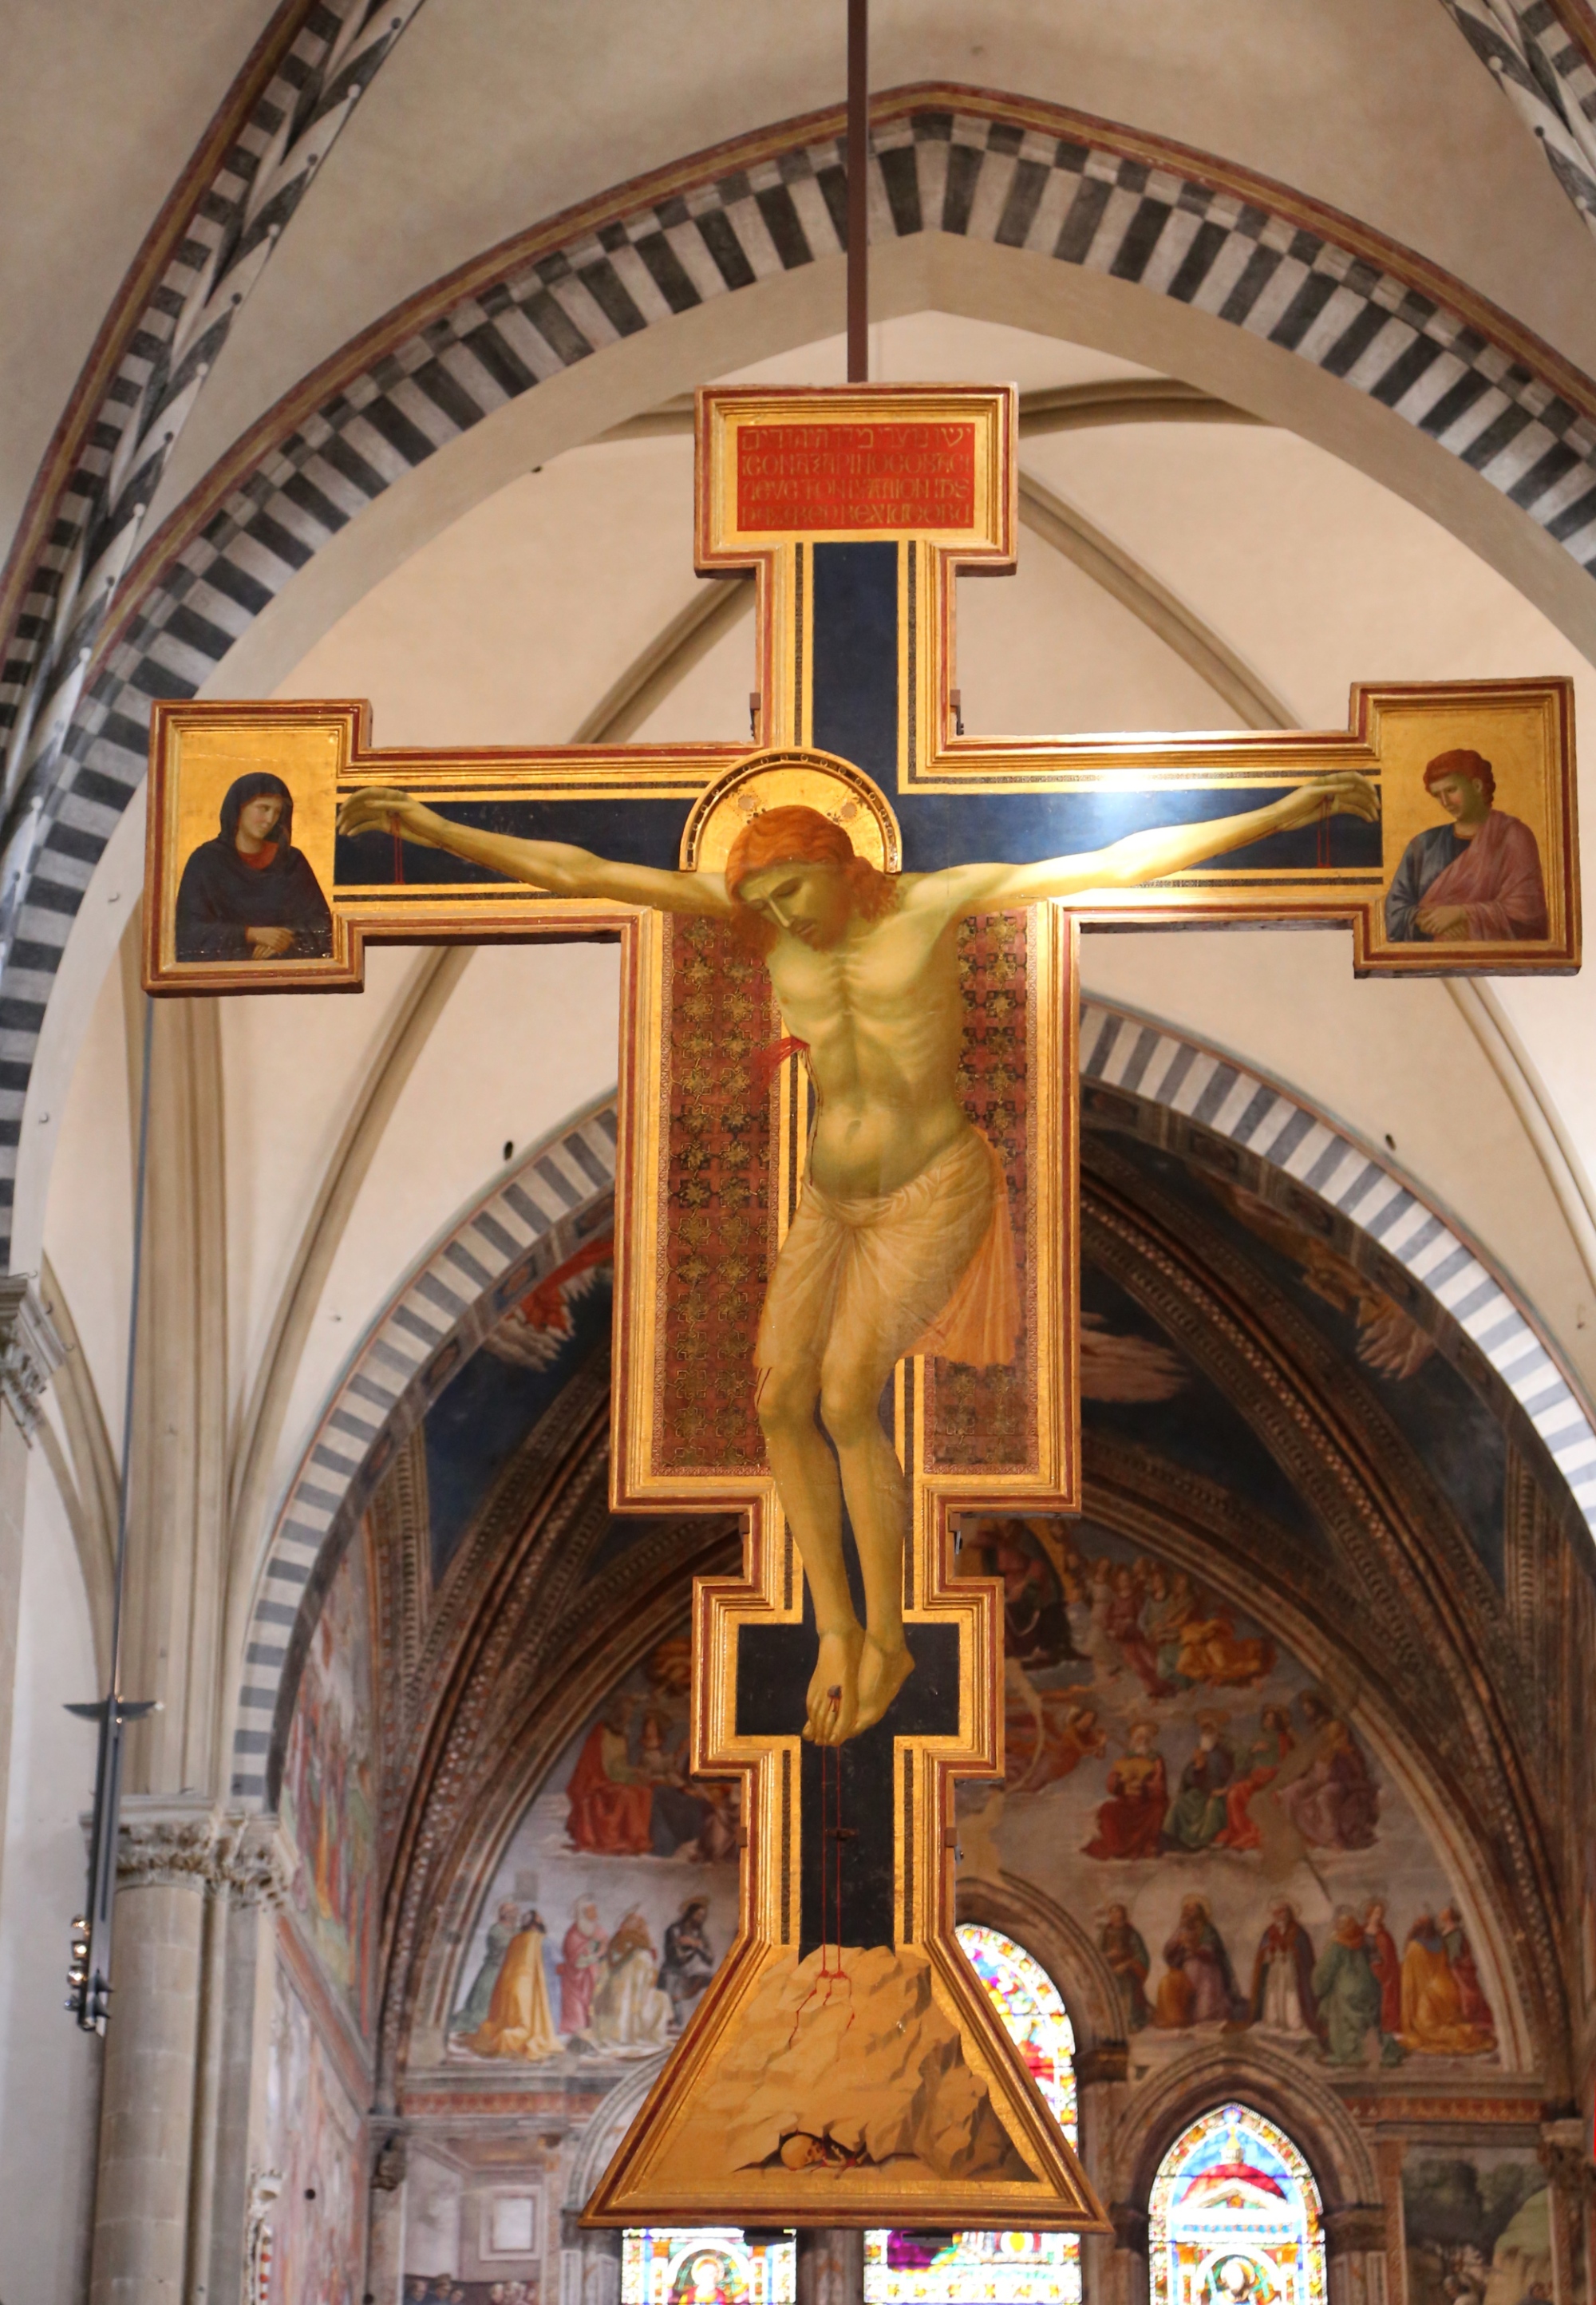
x=900, y=1243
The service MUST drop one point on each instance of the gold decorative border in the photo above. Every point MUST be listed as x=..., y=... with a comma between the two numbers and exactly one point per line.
x=725, y=412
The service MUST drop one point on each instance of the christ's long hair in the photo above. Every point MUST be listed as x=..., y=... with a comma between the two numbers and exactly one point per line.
x=801, y=835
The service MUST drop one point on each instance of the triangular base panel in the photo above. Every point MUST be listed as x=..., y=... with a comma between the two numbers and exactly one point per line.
x=863, y=2088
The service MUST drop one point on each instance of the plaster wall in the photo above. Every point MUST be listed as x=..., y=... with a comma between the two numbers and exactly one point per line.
x=49, y=2071
x=292, y=1071
x=492, y=115
x=101, y=107
x=528, y=1037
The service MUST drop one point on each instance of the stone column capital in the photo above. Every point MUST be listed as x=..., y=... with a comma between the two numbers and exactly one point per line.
x=166, y=1843
x=1107, y=2060
x=253, y=1864
x=1564, y=2154
x=176, y=1843
x=1360, y=2226
x=30, y=1349
x=1130, y=2226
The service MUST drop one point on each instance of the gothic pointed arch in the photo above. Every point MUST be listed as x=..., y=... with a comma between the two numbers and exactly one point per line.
x=1146, y=218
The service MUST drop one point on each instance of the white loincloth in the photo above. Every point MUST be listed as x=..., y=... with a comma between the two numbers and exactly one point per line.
x=928, y=1268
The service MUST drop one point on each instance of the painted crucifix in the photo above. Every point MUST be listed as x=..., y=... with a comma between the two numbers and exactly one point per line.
x=845, y=1225
x=901, y=1243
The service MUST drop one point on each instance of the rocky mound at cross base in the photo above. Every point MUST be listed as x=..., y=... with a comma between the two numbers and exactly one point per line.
x=850, y=2069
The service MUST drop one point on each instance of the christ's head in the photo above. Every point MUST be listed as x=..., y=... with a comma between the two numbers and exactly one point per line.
x=1464, y=785
x=793, y=871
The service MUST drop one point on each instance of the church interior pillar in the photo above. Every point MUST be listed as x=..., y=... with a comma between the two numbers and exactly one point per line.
x=31, y=1350
x=177, y=1509
x=1355, y=2253
x=1126, y=2283
x=1565, y=2152
x=385, y=2259
x=140, y=2249
x=249, y=1890
x=601, y=2268
x=1102, y=2085
x=831, y=2265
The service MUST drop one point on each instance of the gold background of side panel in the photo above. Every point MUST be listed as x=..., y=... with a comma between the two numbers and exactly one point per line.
x=1525, y=731
x=196, y=751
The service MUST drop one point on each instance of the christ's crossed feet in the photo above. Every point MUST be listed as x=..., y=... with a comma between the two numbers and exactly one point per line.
x=855, y=1680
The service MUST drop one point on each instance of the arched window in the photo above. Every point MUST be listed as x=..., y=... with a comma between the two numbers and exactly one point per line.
x=1021, y=2269
x=1234, y=2217
x=706, y=2264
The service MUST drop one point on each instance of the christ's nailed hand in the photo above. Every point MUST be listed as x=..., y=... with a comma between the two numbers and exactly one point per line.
x=1347, y=793
x=385, y=808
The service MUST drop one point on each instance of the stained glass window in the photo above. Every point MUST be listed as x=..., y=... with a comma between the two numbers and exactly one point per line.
x=706, y=2264
x=1234, y=2217
x=1009, y=2268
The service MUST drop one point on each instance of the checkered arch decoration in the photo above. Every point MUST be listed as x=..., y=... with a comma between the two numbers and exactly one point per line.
x=557, y=1197
x=562, y=1192
x=1026, y=177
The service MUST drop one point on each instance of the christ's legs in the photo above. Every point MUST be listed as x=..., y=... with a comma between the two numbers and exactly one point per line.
x=854, y=1285
x=877, y=1498
x=805, y=1472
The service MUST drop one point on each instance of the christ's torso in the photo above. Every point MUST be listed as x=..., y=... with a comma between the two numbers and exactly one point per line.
x=883, y=1016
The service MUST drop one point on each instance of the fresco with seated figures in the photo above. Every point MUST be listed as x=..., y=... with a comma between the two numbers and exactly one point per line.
x=615, y=1898
x=1216, y=1815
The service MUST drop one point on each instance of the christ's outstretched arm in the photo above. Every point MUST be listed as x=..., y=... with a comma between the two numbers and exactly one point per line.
x=556, y=865
x=1142, y=856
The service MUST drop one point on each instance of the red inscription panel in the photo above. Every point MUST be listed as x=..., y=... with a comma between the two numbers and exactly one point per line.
x=819, y=477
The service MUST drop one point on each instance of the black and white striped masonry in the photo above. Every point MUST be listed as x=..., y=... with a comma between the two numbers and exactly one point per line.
x=233, y=222
x=976, y=170
x=1547, y=77
x=562, y=1192
x=557, y=1197
x=1141, y=1058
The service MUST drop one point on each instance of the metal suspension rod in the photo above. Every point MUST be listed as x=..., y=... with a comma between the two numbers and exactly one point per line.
x=89, y=1976
x=859, y=147
x=134, y=1292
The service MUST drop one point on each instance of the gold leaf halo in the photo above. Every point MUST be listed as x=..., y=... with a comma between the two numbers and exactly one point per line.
x=791, y=778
